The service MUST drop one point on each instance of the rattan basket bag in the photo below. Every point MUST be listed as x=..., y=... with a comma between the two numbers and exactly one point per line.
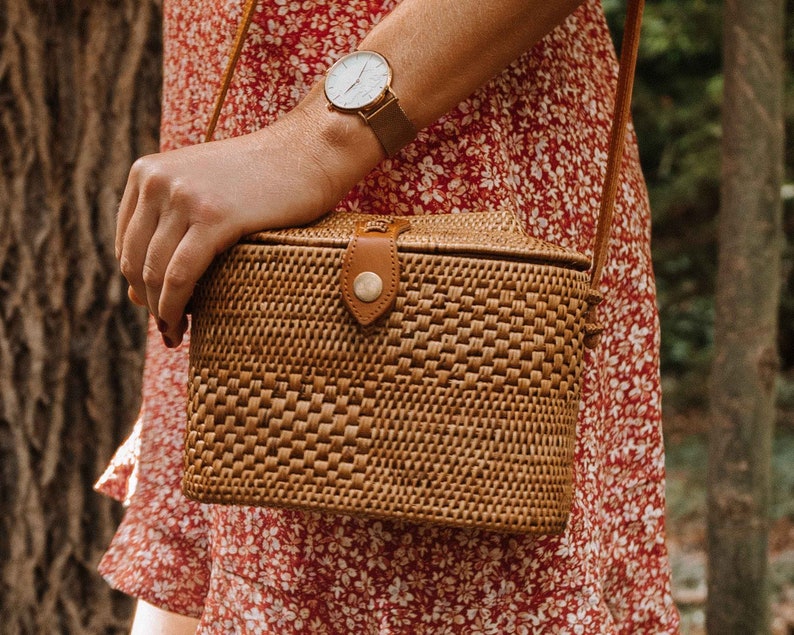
x=450, y=396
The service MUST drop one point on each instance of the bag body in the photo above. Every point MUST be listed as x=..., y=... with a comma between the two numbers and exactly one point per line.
x=456, y=404
x=427, y=370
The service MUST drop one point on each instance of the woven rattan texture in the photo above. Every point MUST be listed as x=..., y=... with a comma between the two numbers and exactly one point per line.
x=458, y=408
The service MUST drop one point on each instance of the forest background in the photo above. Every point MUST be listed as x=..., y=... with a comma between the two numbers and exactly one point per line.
x=78, y=101
x=677, y=106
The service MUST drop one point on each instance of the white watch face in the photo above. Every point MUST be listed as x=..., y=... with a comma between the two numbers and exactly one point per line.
x=357, y=80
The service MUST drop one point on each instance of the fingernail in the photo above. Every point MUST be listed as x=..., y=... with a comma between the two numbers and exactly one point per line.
x=168, y=341
x=161, y=325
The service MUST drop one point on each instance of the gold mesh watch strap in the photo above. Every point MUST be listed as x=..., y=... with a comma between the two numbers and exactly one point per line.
x=391, y=125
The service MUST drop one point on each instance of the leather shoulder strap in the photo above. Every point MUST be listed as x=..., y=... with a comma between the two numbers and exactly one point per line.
x=617, y=141
x=237, y=47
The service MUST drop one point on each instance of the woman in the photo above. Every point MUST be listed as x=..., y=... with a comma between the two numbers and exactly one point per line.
x=513, y=102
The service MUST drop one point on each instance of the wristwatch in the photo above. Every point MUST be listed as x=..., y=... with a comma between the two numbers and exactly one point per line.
x=361, y=83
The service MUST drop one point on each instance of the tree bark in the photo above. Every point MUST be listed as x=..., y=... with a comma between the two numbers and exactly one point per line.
x=742, y=391
x=79, y=100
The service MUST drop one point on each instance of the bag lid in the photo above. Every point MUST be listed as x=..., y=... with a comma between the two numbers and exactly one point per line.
x=486, y=234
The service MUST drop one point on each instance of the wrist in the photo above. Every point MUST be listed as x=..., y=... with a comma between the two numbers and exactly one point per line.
x=344, y=147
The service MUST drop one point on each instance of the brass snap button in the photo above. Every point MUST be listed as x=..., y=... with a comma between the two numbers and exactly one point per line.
x=368, y=286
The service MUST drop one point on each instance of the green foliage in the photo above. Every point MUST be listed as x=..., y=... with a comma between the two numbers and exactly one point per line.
x=677, y=103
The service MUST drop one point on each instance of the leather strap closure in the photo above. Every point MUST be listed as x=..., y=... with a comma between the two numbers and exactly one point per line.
x=592, y=327
x=371, y=269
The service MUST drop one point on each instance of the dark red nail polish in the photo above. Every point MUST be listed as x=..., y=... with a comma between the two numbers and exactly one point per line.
x=161, y=325
x=168, y=341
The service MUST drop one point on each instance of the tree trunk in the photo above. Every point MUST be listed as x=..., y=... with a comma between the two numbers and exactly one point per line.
x=79, y=84
x=748, y=290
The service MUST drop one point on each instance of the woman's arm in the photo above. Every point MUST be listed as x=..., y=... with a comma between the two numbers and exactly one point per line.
x=183, y=207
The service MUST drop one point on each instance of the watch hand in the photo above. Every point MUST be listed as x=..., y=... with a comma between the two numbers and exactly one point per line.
x=358, y=77
x=361, y=72
x=357, y=80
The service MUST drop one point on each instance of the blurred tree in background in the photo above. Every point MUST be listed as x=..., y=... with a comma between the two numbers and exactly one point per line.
x=78, y=103
x=677, y=116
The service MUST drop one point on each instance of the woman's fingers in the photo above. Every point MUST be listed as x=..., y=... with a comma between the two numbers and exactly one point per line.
x=170, y=231
x=160, y=204
x=126, y=208
x=175, y=257
x=134, y=298
x=144, y=198
x=190, y=259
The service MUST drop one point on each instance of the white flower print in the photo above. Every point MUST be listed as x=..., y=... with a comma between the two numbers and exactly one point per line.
x=533, y=140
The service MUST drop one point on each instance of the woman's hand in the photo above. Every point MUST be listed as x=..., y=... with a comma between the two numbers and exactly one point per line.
x=182, y=208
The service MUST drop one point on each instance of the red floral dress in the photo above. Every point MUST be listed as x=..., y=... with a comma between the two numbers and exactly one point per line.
x=533, y=140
